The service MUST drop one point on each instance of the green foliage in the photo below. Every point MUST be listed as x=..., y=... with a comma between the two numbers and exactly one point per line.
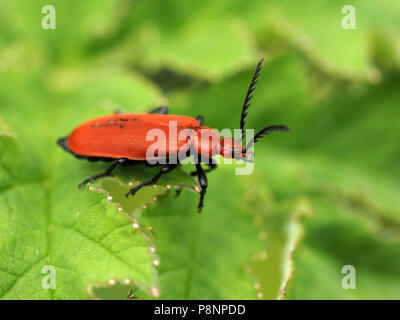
x=324, y=196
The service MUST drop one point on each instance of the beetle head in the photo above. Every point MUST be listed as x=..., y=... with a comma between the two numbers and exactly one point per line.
x=230, y=148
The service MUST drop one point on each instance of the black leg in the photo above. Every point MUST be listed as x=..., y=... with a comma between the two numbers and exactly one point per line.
x=160, y=110
x=166, y=169
x=200, y=120
x=209, y=162
x=203, y=184
x=107, y=173
x=178, y=192
x=211, y=167
x=117, y=111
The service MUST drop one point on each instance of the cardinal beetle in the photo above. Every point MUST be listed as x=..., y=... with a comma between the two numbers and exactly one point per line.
x=121, y=139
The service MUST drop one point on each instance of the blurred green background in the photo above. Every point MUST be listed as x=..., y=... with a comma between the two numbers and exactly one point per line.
x=322, y=197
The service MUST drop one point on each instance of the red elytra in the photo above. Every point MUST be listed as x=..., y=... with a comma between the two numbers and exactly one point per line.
x=125, y=135
x=124, y=139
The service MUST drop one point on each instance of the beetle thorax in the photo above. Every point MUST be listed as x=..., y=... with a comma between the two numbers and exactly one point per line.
x=206, y=141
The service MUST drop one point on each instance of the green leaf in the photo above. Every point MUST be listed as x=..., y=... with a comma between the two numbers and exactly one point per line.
x=278, y=223
x=76, y=27
x=90, y=236
x=327, y=157
x=282, y=232
x=186, y=38
x=45, y=218
x=337, y=89
x=350, y=240
x=207, y=255
x=184, y=240
x=315, y=29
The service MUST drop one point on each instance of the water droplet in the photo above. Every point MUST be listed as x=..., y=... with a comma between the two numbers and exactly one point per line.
x=156, y=262
x=155, y=293
x=112, y=282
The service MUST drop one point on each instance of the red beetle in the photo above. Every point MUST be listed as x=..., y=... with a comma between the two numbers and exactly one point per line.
x=122, y=139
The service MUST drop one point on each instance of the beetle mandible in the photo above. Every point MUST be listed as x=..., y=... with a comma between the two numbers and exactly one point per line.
x=121, y=139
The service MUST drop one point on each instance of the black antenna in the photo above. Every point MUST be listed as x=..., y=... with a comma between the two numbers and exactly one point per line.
x=265, y=131
x=249, y=95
